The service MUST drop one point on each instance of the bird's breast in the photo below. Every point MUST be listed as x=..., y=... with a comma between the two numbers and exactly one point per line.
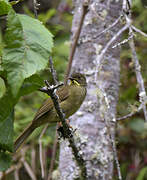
x=74, y=101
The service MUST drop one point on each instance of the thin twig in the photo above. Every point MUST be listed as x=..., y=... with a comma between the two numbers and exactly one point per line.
x=109, y=27
x=29, y=170
x=142, y=92
x=40, y=151
x=26, y=165
x=139, y=31
x=111, y=133
x=45, y=89
x=123, y=42
x=53, y=155
x=100, y=58
x=115, y=155
x=15, y=2
x=75, y=41
x=53, y=71
x=11, y=169
x=3, y=176
x=130, y=114
x=36, y=4
x=33, y=159
x=16, y=174
x=55, y=81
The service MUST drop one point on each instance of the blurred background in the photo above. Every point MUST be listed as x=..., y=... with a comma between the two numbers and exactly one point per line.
x=131, y=133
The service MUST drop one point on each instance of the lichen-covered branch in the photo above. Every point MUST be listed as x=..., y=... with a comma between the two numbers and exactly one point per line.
x=142, y=92
x=130, y=114
x=67, y=132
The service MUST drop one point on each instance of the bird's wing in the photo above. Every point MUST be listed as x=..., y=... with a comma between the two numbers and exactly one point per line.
x=62, y=92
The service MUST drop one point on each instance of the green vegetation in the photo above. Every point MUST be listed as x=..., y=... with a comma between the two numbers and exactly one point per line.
x=19, y=98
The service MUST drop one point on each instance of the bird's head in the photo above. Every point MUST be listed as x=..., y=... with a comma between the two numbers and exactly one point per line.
x=78, y=79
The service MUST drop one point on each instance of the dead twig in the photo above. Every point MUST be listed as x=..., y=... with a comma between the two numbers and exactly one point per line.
x=53, y=155
x=41, y=153
x=142, y=92
x=139, y=31
x=75, y=41
x=100, y=58
x=36, y=5
x=130, y=114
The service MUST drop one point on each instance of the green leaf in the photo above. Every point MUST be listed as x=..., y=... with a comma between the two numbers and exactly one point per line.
x=5, y=161
x=28, y=46
x=4, y=7
x=2, y=87
x=44, y=17
x=31, y=84
x=6, y=133
x=7, y=103
x=142, y=174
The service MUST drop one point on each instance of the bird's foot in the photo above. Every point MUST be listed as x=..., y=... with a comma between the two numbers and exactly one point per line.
x=68, y=134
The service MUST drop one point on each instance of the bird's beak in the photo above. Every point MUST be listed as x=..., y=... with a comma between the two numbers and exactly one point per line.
x=71, y=78
x=74, y=81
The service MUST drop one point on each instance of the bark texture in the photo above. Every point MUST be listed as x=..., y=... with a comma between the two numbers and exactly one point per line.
x=91, y=120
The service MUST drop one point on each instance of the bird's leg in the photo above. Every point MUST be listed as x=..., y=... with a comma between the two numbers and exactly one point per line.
x=68, y=123
x=61, y=131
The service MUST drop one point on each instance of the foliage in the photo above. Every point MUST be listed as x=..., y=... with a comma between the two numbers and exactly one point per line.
x=132, y=144
x=21, y=97
x=26, y=50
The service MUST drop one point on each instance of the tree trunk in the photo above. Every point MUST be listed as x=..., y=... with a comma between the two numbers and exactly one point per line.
x=92, y=119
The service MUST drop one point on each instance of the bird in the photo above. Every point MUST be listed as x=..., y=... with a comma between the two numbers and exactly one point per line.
x=70, y=97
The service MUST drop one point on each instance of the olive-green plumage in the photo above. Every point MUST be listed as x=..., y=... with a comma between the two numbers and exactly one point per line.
x=70, y=96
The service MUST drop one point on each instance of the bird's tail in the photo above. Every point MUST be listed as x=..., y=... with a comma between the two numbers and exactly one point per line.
x=26, y=133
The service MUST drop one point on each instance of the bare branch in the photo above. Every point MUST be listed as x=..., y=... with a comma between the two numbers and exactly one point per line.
x=29, y=170
x=45, y=89
x=36, y=5
x=142, y=92
x=115, y=155
x=40, y=151
x=109, y=27
x=106, y=114
x=75, y=40
x=100, y=58
x=139, y=31
x=15, y=2
x=26, y=165
x=53, y=71
x=123, y=42
x=33, y=159
x=16, y=174
x=53, y=155
x=130, y=114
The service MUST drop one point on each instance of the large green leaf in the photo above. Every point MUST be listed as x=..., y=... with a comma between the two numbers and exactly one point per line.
x=6, y=121
x=28, y=46
x=7, y=103
x=142, y=174
x=2, y=87
x=5, y=161
x=4, y=7
x=31, y=84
